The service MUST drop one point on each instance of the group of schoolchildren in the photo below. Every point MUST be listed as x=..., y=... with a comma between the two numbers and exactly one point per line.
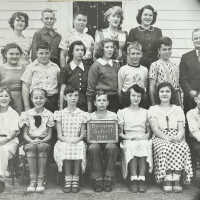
x=101, y=89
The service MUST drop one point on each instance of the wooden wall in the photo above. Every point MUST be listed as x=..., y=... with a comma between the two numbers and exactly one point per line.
x=177, y=18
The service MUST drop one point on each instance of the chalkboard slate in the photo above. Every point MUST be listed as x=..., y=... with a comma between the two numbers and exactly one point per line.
x=102, y=131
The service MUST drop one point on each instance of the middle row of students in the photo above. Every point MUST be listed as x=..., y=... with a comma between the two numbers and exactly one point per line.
x=105, y=73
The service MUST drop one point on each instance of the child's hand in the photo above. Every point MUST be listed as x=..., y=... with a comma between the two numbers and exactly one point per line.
x=75, y=140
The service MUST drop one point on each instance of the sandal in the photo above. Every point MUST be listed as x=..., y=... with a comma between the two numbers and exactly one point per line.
x=32, y=186
x=40, y=186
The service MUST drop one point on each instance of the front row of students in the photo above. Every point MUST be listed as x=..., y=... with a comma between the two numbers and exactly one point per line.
x=171, y=153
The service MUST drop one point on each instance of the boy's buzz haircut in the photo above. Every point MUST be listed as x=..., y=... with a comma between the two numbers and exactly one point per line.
x=100, y=92
x=47, y=10
x=134, y=45
x=80, y=12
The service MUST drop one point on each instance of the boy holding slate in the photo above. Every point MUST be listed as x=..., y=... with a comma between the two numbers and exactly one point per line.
x=102, y=156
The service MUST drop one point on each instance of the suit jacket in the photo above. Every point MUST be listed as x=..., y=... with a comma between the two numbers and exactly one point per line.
x=190, y=72
x=189, y=76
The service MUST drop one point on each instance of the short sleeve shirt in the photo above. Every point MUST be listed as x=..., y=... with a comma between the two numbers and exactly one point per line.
x=42, y=76
x=47, y=120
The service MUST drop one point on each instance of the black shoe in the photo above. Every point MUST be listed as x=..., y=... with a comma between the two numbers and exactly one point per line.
x=142, y=186
x=133, y=186
x=2, y=186
x=98, y=185
x=107, y=185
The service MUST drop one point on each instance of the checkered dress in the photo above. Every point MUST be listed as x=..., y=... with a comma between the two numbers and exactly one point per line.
x=171, y=156
x=71, y=126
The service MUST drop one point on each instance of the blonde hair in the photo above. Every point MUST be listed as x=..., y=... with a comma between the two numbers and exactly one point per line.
x=134, y=45
x=116, y=10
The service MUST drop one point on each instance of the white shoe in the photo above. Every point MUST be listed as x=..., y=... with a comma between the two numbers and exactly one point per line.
x=31, y=187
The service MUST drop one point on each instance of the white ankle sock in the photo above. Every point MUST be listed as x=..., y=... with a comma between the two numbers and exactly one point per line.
x=141, y=178
x=133, y=178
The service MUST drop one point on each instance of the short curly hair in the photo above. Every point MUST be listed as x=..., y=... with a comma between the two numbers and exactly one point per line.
x=71, y=49
x=140, y=11
x=18, y=15
x=100, y=49
x=116, y=10
x=8, y=46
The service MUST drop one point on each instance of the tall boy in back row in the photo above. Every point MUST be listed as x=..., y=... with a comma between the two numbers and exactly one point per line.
x=47, y=34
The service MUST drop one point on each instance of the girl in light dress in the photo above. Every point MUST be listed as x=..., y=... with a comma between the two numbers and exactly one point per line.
x=136, y=146
x=8, y=133
x=70, y=149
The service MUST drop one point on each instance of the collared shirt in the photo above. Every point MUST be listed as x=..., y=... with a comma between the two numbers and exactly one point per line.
x=42, y=76
x=104, y=62
x=129, y=75
x=48, y=35
x=74, y=35
x=47, y=120
x=193, y=117
x=103, y=76
x=73, y=65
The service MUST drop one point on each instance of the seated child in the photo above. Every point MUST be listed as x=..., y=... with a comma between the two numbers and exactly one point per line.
x=102, y=173
x=41, y=73
x=8, y=133
x=136, y=146
x=193, y=119
x=37, y=126
x=132, y=73
x=70, y=149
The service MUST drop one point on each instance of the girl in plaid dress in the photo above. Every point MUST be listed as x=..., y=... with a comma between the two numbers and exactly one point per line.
x=70, y=150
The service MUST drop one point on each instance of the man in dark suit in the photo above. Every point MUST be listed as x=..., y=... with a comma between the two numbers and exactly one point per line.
x=190, y=72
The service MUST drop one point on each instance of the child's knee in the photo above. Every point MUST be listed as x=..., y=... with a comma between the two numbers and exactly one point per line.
x=31, y=150
x=43, y=148
x=112, y=147
x=94, y=148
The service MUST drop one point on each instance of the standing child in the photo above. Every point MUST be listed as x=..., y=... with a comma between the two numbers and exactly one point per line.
x=102, y=156
x=136, y=146
x=8, y=133
x=44, y=74
x=11, y=72
x=75, y=73
x=70, y=149
x=79, y=32
x=47, y=34
x=103, y=75
x=37, y=124
x=132, y=73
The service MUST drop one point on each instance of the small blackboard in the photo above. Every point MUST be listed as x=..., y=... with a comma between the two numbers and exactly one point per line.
x=102, y=131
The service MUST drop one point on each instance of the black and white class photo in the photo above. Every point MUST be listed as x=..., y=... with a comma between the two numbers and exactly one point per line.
x=100, y=99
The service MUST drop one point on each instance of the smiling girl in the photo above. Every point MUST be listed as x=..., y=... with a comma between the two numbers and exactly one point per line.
x=37, y=126
x=11, y=72
x=8, y=133
x=103, y=75
x=113, y=18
